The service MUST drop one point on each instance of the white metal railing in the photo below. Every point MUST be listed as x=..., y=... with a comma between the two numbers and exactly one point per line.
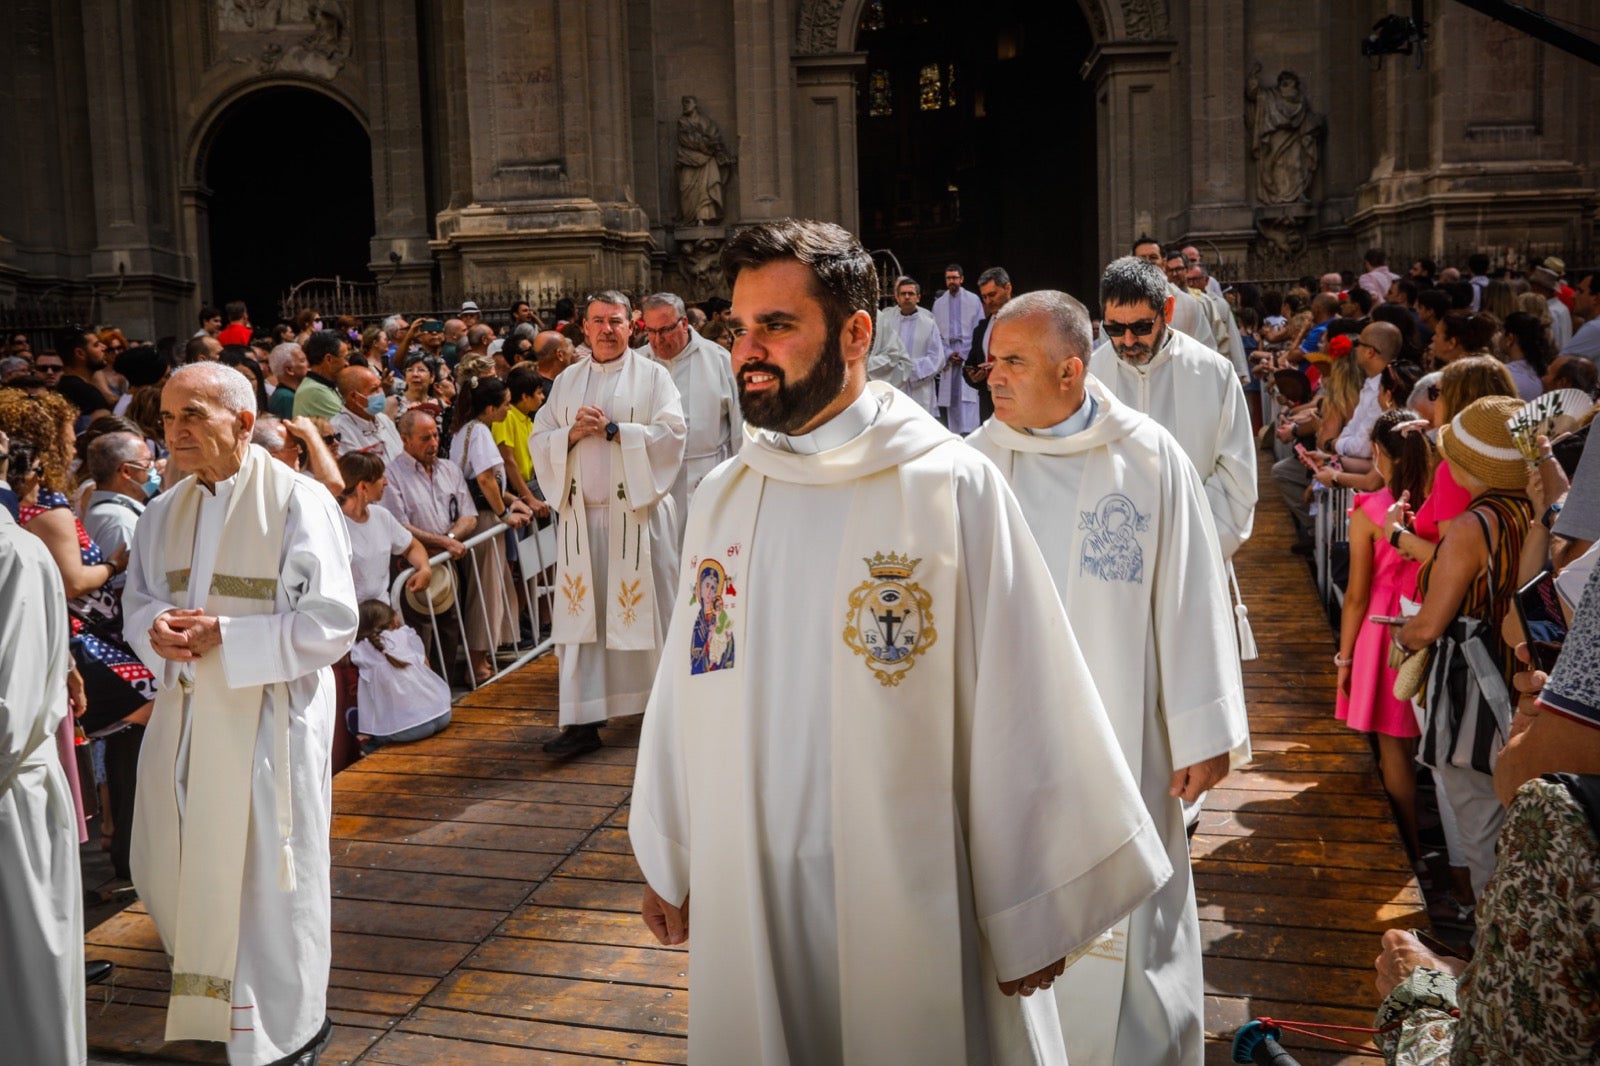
x=536, y=552
x=1332, y=527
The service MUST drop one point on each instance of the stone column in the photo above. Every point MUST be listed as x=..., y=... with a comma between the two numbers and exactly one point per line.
x=136, y=264
x=1218, y=142
x=1143, y=179
x=763, y=105
x=399, y=156
x=825, y=123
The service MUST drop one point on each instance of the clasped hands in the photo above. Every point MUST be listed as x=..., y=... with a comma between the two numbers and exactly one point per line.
x=671, y=927
x=590, y=421
x=185, y=634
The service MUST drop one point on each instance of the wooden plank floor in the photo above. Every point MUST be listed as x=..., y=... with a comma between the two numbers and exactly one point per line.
x=485, y=897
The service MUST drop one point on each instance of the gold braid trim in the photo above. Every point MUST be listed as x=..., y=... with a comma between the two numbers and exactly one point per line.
x=244, y=588
x=178, y=580
x=199, y=984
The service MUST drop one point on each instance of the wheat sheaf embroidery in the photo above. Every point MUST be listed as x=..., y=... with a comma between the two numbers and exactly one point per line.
x=573, y=588
x=628, y=599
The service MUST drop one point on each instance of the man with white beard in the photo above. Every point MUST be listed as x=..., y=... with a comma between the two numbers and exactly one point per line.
x=1120, y=515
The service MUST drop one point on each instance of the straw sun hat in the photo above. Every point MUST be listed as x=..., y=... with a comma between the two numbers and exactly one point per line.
x=1478, y=442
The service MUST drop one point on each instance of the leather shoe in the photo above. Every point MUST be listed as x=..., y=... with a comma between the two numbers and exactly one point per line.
x=97, y=970
x=574, y=740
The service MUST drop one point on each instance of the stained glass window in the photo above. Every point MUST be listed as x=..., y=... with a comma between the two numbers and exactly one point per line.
x=880, y=97
x=950, y=85
x=930, y=92
x=872, y=17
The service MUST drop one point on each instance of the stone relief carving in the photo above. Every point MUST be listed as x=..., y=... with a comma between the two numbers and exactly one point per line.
x=698, y=264
x=309, y=36
x=1144, y=19
x=1286, y=144
x=817, y=27
x=702, y=160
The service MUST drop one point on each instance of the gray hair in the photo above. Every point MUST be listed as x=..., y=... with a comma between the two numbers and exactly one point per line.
x=479, y=334
x=1131, y=280
x=391, y=324
x=1067, y=317
x=663, y=299
x=998, y=276
x=12, y=363
x=108, y=452
x=269, y=433
x=279, y=358
x=225, y=384
x=609, y=296
x=1419, y=391
x=907, y=279
x=412, y=416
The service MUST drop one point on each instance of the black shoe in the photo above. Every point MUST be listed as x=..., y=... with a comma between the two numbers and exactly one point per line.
x=311, y=1052
x=97, y=970
x=574, y=740
x=1304, y=546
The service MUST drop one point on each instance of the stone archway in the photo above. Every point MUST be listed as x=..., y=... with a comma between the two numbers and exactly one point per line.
x=258, y=227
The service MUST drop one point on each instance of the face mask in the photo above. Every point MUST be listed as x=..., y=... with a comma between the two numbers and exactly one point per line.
x=375, y=404
x=152, y=482
x=317, y=325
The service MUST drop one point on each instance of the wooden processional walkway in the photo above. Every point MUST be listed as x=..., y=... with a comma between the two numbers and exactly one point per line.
x=485, y=897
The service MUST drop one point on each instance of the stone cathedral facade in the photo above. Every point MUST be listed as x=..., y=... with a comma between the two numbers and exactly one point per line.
x=560, y=144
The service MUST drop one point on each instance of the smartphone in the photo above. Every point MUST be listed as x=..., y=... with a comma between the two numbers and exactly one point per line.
x=1543, y=623
x=1388, y=619
x=1437, y=946
x=1307, y=458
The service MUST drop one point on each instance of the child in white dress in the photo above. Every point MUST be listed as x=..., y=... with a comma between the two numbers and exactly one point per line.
x=398, y=697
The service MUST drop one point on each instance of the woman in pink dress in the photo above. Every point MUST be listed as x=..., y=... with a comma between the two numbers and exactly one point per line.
x=1379, y=576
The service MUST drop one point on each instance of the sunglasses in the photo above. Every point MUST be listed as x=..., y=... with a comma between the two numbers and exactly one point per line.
x=333, y=438
x=44, y=368
x=1142, y=328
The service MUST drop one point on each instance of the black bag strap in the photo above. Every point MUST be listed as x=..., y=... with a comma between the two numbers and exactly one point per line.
x=1488, y=544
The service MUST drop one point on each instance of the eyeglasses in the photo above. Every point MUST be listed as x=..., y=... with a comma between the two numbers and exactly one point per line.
x=46, y=368
x=1142, y=328
x=664, y=330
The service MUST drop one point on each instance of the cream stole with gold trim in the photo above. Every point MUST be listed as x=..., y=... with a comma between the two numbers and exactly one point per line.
x=192, y=878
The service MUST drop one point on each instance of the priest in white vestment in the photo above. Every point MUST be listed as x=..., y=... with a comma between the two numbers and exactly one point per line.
x=874, y=756
x=888, y=361
x=957, y=311
x=703, y=374
x=1230, y=345
x=916, y=330
x=607, y=446
x=1120, y=515
x=41, y=891
x=239, y=598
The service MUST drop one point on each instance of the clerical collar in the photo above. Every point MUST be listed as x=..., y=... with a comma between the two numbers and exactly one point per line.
x=221, y=487
x=611, y=366
x=1076, y=422
x=842, y=428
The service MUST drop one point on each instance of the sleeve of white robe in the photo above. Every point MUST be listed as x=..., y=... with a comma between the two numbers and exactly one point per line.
x=1202, y=699
x=658, y=820
x=1061, y=846
x=549, y=445
x=652, y=451
x=1231, y=487
x=888, y=359
x=142, y=602
x=731, y=413
x=33, y=697
x=316, y=579
x=931, y=359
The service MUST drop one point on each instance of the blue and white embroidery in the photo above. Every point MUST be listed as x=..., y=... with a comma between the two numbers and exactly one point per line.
x=1111, y=550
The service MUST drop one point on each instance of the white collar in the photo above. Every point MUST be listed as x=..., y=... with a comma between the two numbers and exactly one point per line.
x=1076, y=422
x=842, y=428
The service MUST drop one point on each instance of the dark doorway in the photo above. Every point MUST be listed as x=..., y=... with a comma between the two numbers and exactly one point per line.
x=290, y=173
x=977, y=141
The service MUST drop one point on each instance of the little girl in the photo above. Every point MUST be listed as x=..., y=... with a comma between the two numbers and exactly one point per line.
x=398, y=698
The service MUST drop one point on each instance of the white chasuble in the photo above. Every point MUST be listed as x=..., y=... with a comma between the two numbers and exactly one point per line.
x=703, y=375
x=1212, y=425
x=1121, y=519
x=41, y=891
x=875, y=756
x=617, y=552
x=920, y=335
x=957, y=317
x=234, y=769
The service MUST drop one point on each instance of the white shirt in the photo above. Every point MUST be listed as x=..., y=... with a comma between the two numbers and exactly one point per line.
x=372, y=544
x=1356, y=438
x=375, y=435
x=390, y=698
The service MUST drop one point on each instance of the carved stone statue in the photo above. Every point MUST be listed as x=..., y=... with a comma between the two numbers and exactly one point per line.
x=702, y=158
x=1286, y=138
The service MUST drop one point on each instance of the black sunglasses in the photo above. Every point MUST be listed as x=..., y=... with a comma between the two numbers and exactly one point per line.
x=1142, y=328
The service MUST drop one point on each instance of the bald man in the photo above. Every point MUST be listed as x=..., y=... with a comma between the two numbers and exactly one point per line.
x=363, y=425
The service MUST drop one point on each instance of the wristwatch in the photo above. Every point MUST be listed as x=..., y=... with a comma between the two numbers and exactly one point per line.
x=1548, y=519
x=611, y=431
x=1394, y=538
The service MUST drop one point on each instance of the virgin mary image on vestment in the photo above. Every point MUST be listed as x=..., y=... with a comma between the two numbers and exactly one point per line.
x=711, y=639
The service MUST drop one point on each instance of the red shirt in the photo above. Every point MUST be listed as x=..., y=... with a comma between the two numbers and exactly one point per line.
x=237, y=333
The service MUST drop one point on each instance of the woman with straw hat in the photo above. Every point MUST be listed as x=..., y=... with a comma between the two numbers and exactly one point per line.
x=1472, y=578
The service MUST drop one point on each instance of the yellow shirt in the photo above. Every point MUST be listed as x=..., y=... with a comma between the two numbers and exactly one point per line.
x=513, y=431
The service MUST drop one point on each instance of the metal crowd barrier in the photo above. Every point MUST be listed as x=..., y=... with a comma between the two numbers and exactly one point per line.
x=536, y=552
x=1332, y=527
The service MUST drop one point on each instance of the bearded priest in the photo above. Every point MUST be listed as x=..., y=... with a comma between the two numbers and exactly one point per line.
x=874, y=755
x=239, y=599
x=1121, y=517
